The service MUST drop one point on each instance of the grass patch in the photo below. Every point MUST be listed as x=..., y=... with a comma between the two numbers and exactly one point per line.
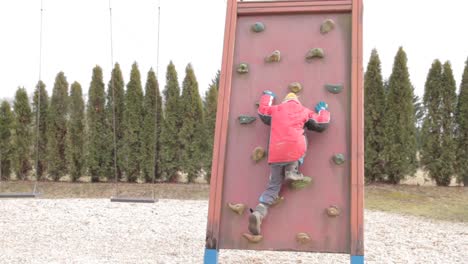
x=441, y=203
x=58, y=190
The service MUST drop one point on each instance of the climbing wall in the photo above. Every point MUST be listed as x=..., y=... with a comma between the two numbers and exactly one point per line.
x=271, y=51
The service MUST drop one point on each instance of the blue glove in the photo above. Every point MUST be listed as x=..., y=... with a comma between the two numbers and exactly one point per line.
x=321, y=106
x=269, y=93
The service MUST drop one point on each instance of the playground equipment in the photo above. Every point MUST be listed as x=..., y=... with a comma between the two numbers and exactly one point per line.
x=34, y=192
x=312, y=48
x=116, y=197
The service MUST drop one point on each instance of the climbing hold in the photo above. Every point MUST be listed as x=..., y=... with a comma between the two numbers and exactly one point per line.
x=258, y=154
x=245, y=119
x=303, y=238
x=253, y=238
x=243, y=68
x=257, y=104
x=338, y=159
x=334, y=88
x=315, y=53
x=258, y=27
x=333, y=211
x=237, y=208
x=300, y=184
x=327, y=26
x=275, y=56
x=295, y=87
x=277, y=201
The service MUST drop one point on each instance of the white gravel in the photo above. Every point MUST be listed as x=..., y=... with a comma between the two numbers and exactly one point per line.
x=173, y=231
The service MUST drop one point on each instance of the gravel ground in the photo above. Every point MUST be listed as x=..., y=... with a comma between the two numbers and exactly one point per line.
x=172, y=231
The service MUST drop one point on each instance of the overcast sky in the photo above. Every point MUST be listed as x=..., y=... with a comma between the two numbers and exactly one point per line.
x=76, y=37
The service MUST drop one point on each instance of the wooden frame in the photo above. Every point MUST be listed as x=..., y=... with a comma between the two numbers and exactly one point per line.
x=235, y=9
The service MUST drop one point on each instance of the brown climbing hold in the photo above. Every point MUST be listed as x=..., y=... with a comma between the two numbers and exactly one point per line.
x=303, y=238
x=295, y=87
x=315, y=53
x=237, y=208
x=277, y=201
x=258, y=154
x=274, y=57
x=253, y=238
x=327, y=26
x=243, y=68
x=333, y=211
x=300, y=184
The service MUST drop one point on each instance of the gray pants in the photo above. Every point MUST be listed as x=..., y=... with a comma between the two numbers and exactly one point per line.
x=277, y=173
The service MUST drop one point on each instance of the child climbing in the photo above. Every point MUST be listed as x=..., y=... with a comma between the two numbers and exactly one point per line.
x=287, y=146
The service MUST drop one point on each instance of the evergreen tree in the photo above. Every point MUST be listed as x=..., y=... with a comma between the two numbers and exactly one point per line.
x=215, y=81
x=22, y=133
x=152, y=128
x=6, y=148
x=400, y=129
x=210, y=108
x=116, y=90
x=170, y=158
x=40, y=133
x=76, y=134
x=374, y=119
x=57, y=128
x=133, y=123
x=438, y=150
x=462, y=129
x=192, y=132
x=449, y=103
x=419, y=116
x=431, y=143
x=99, y=138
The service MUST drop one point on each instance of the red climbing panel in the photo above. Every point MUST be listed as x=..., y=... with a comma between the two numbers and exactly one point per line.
x=293, y=28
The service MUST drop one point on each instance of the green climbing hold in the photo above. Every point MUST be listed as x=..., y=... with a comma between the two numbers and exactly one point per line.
x=258, y=27
x=245, y=119
x=274, y=57
x=295, y=87
x=327, y=26
x=300, y=184
x=338, y=159
x=315, y=53
x=334, y=88
x=243, y=68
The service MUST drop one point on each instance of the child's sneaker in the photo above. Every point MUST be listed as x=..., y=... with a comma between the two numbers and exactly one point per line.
x=255, y=222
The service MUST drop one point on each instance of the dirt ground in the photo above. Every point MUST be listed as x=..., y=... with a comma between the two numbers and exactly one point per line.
x=96, y=231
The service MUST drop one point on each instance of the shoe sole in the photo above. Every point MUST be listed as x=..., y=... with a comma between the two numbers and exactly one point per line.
x=254, y=225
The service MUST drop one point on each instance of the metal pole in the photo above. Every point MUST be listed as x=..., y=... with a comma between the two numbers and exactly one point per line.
x=157, y=51
x=38, y=116
x=1, y=167
x=113, y=102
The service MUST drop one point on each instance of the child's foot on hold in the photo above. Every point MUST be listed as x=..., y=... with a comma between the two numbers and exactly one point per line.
x=293, y=176
x=300, y=184
x=255, y=222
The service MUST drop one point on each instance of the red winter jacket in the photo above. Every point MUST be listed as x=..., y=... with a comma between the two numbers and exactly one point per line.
x=288, y=120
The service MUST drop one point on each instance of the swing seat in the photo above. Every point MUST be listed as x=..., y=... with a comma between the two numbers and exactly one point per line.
x=19, y=195
x=132, y=200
